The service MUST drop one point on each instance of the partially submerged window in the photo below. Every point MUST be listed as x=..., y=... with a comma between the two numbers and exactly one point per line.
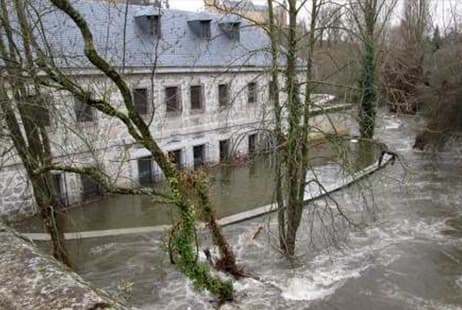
x=223, y=95
x=199, y=155
x=196, y=97
x=90, y=188
x=59, y=189
x=176, y=158
x=145, y=171
x=140, y=98
x=252, y=143
x=172, y=99
x=224, y=149
x=83, y=112
x=252, y=92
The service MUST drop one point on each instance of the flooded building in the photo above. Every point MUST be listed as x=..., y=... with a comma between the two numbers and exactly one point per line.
x=198, y=79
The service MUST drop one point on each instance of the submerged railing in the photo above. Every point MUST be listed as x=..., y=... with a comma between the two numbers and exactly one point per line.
x=384, y=160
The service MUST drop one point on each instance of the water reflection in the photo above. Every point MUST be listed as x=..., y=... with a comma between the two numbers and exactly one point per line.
x=234, y=188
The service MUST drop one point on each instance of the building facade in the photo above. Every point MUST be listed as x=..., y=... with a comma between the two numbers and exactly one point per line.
x=200, y=81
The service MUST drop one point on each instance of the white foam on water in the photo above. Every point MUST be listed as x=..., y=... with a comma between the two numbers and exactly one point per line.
x=393, y=125
x=246, y=284
x=97, y=250
x=306, y=289
x=420, y=230
x=328, y=272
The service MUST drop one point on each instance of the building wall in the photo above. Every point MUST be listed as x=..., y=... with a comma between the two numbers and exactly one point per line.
x=106, y=143
x=16, y=200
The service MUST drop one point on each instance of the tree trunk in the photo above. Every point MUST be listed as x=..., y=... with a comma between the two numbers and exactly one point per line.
x=49, y=209
x=294, y=152
x=368, y=84
x=279, y=137
x=33, y=147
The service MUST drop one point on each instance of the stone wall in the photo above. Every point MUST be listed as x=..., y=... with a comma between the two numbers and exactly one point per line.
x=106, y=143
x=32, y=280
x=16, y=200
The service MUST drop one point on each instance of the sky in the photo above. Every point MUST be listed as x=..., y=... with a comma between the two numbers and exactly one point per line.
x=195, y=5
x=441, y=9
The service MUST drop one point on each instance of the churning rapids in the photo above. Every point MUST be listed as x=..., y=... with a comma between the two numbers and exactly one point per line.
x=407, y=253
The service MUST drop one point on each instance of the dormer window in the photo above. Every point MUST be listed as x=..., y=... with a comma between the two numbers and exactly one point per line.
x=231, y=29
x=148, y=20
x=201, y=27
x=205, y=29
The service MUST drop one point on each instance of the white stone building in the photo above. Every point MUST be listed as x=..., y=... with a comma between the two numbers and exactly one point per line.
x=200, y=79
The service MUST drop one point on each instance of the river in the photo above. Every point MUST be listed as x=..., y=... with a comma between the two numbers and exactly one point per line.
x=405, y=254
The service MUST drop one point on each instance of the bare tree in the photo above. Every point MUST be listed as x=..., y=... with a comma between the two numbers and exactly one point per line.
x=370, y=18
x=292, y=86
x=28, y=133
x=440, y=93
x=41, y=72
x=404, y=68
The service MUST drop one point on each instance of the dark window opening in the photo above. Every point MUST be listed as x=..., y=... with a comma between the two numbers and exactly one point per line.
x=83, y=112
x=224, y=150
x=252, y=92
x=223, y=96
x=205, y=29
x=196, y=97
x=90, y=188
x=235, y=34
x=155, y=22
x=252, y=144
x=140, y=98
x=175, y=157
x=149, y=24
x=44, y=116
x=199, y=155
x=171, y=99
x=272, y=90
x=38, y=110
x=145, y=175
x=60, y=195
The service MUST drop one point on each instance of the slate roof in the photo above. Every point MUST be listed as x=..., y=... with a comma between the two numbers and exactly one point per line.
x=178, y=46
x=244, y=5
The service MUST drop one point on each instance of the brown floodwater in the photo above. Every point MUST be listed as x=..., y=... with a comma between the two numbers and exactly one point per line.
x=234, y=188
x=404, y=253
